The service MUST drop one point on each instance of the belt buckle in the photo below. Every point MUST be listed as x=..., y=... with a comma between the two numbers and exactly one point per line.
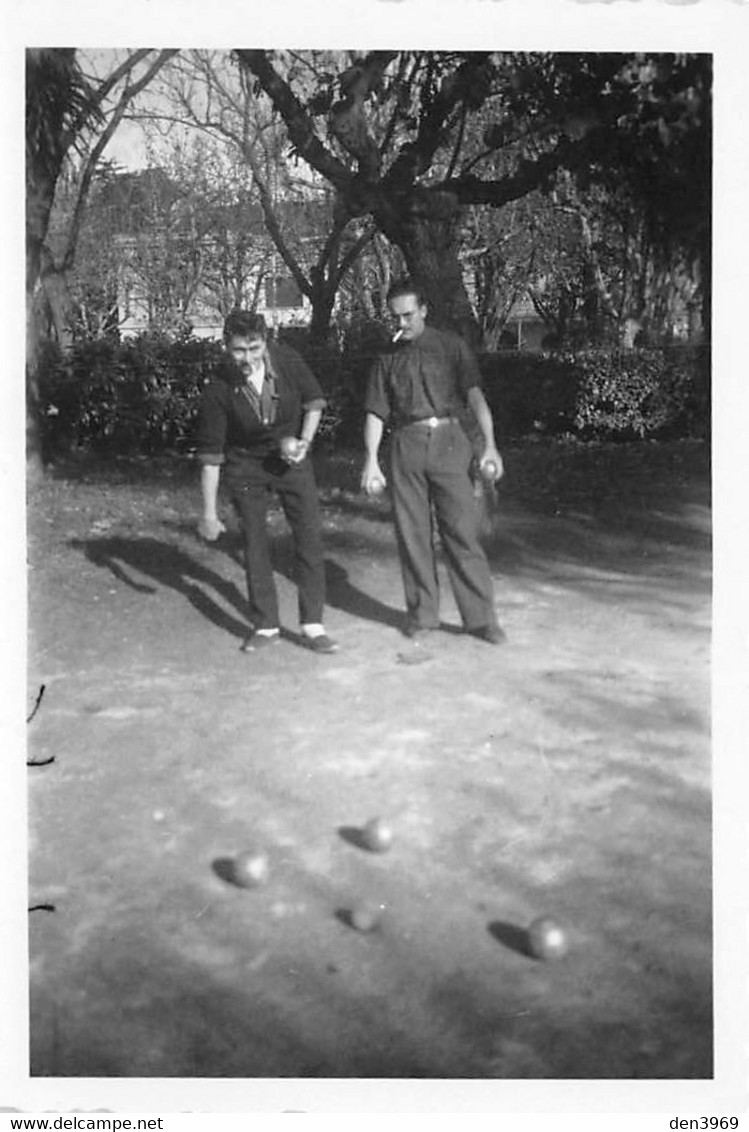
x=433, y=421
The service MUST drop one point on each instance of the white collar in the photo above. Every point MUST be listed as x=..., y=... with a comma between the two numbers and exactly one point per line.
x=257, y=378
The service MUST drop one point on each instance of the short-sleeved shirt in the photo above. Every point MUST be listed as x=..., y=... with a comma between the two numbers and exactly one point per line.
x=233, y=419
x=428, y=377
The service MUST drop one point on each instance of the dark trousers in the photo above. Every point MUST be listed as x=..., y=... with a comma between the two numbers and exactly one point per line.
x=251, y=484
x=429, y=476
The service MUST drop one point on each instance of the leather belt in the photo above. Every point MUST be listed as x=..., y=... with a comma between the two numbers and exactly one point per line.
x=430, y=422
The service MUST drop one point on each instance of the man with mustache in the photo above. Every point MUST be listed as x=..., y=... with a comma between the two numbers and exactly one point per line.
x=422, y=384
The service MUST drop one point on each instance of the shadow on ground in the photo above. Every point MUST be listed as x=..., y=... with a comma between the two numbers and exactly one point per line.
x=567, y=774
x=171, y=566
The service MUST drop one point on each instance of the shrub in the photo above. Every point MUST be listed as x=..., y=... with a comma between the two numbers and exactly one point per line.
x=600, y=393
x=643, y=392
x=530, y=393
x=136, y=396
x=141, y=396
x=343, y=423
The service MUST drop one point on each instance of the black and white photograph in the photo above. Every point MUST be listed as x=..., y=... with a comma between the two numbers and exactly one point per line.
x=381, y=725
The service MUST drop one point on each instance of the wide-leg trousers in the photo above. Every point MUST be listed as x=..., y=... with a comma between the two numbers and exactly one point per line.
x=429, y=477
x=251, y=492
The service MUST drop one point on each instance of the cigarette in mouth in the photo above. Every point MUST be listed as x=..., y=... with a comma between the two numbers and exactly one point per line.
x=398, y=334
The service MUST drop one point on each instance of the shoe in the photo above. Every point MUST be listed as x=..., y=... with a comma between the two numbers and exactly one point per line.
x=418, y=632
x=492, y=634
x=259, y=641
x=321, y=643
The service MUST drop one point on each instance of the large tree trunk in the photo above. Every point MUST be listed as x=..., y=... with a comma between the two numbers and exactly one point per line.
x=47, y=318
x=34, y=458
x=38, y=204
x=426, y=229
x=57, y=294
x=323, y=297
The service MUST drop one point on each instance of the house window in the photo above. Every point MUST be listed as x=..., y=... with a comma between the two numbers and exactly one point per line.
x=282, y=291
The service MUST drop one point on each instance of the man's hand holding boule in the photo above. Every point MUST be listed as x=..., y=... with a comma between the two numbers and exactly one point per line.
x=491, y=457
x=294, y=449
x=373, y=481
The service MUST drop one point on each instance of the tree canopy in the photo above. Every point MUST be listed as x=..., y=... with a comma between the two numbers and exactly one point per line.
x=411, y=138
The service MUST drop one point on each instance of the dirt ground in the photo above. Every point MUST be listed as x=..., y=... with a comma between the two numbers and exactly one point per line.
x=566, y=773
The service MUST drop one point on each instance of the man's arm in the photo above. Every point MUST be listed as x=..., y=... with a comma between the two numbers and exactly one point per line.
x=372, y=478
x=313, y=399
x=377, y=409
x=482, y=412
x=210, y=526
x=310, y=424
x=210, y=445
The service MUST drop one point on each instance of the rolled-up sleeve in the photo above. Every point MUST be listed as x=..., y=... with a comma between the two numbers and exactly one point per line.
x=309, y=387
x=314, y=404
x=211, y=434
x=376, y=399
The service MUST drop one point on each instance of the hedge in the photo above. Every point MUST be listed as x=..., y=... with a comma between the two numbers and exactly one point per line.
x=142, y=395
x=138, y=396
x=647, y=392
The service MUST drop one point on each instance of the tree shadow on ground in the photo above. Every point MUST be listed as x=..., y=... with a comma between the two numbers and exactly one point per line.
x=161, y=995
x=168, y=566
x=187, y=1020
x=639, y=509
x=619, y=557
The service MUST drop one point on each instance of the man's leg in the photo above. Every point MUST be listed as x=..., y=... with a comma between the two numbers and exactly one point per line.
x=251, y=503
x=457, y=518
x=298, y=492
x=413, y=526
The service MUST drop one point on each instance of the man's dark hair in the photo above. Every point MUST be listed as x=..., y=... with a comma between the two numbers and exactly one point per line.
x=244, y=324
x=407, y=286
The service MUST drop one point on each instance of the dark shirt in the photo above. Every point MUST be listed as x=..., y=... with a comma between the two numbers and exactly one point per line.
x=429, y=377
x=234, y=420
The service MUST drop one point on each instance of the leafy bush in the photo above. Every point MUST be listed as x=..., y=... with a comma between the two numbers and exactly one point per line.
x=598, y=394
x=140, y=395
x=343, y=422
x=644, y=392
x=328, y=365
x=530, y=393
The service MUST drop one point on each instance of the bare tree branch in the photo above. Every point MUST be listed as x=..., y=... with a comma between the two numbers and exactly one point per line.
x=401, y=79
x=458, y=143
x=131, y=91
x=529, y=175
x=298, y=122
x=273, y=226
x=347, y=119
x=353, y=254
x=101, y=92
x=417, y=156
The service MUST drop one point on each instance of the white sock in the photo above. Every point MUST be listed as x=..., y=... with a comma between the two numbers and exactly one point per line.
x=314, y=629
x=266, y=632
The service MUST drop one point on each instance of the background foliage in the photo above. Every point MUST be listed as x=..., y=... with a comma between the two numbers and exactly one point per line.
x=141, y=396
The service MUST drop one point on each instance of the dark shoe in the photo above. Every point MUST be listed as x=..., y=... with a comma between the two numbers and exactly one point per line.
x=492, y=634
x=321, y=644
x=259, y=641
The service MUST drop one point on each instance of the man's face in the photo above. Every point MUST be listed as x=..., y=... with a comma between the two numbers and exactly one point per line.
x=246, y=353
x=409, y=316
